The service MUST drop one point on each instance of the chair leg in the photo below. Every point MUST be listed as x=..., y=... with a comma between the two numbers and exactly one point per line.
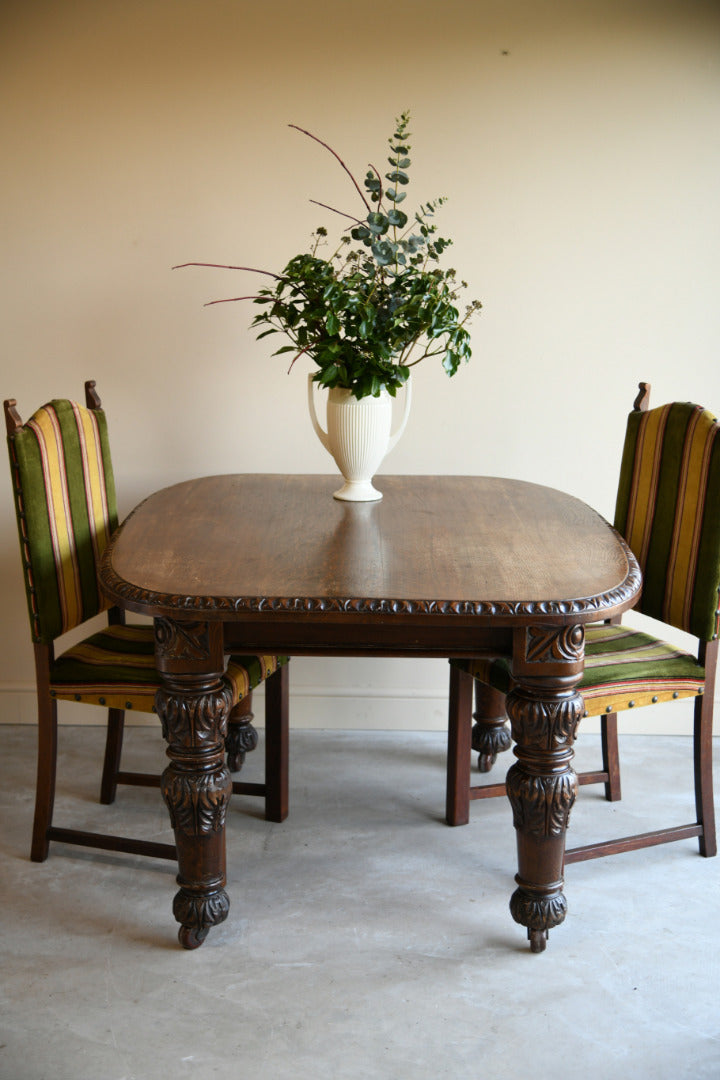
x=704, y=804
x=277, y=740
x=610, y=756
x=241, y=736
x=113, y=751
x=46, y=771
x=457, y=806
x=491, y=731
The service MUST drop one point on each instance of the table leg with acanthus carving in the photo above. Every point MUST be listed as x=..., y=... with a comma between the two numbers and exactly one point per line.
x=544, y=709
x=193, y=707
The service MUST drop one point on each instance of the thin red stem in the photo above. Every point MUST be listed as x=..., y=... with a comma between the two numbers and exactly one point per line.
x=337, y=158
x=298, y=355
x=222, y=266
x=325, y=206
x=230, y=300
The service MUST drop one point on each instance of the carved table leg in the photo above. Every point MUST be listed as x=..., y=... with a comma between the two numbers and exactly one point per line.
x=491, y=732
x=193, y=708
x=241, y=737
x=544, y=710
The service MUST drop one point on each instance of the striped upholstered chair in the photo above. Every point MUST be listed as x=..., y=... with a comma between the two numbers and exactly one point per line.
x=668, y=510
x=66, y=512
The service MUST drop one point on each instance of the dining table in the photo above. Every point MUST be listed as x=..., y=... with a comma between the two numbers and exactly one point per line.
x=440, y=566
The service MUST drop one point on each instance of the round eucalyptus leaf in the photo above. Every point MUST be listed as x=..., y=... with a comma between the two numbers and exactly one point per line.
x=397, y=217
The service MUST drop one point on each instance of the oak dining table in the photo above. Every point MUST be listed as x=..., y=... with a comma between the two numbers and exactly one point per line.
x=441, y=566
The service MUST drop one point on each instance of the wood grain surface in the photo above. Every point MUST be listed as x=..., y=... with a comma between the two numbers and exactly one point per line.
x=433, y=545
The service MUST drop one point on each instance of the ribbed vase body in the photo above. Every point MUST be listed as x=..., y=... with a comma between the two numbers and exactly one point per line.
x=358, y=436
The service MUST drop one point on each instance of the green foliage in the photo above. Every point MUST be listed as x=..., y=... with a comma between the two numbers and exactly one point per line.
x=371, y=312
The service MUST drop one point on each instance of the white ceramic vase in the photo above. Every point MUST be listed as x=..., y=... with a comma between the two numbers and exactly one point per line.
x=358, y=436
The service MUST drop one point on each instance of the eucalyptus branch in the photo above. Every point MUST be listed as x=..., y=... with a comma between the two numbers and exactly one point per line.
x=381, y=192
x=368, y=314
x=337, y=158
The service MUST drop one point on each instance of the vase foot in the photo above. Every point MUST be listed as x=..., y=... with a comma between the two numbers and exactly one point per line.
x=357, y=491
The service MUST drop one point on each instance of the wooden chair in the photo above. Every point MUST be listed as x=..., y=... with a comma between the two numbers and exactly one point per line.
x=66, y=512
x=668, y=510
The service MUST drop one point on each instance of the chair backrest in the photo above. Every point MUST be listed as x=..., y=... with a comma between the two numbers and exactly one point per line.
x=66, y=509
x=668, y=510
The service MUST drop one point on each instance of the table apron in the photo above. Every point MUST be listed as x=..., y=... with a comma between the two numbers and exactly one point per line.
x=324, y=638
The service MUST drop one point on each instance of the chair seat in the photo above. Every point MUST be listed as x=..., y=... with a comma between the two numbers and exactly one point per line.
x=115, y=668
x=624, y=669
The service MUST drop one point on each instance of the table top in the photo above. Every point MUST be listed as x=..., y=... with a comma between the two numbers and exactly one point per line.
x=450, y=547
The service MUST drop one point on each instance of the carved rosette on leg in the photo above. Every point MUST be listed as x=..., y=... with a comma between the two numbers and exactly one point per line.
x=544, y=710
x=193, y=708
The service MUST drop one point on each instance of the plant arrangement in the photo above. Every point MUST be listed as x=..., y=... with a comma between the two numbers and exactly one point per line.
x=380, y=303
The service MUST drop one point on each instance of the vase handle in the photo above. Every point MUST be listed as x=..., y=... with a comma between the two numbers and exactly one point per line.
x=406, y=412
x=322, y=435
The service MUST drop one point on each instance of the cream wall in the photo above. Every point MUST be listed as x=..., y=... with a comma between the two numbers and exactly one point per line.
x=578, y=141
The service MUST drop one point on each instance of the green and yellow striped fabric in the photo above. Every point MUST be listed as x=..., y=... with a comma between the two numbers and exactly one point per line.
x=668, y=510
x=67, y=511
x=116, y=668
x=624, y=669
x=246, y=672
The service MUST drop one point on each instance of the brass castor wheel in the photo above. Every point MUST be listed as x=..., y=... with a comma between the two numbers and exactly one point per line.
x=538, y=940
x=191, y=937
x=486, y=762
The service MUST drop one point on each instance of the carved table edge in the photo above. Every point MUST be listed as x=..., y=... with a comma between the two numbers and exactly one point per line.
x=126, y=593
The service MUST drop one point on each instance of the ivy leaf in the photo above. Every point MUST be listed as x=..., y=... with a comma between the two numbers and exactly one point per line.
x=328, y=375
x=332, y=323
x=451, y=362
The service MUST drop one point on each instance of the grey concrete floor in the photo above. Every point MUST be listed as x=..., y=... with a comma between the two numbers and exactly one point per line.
x=365, y=938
